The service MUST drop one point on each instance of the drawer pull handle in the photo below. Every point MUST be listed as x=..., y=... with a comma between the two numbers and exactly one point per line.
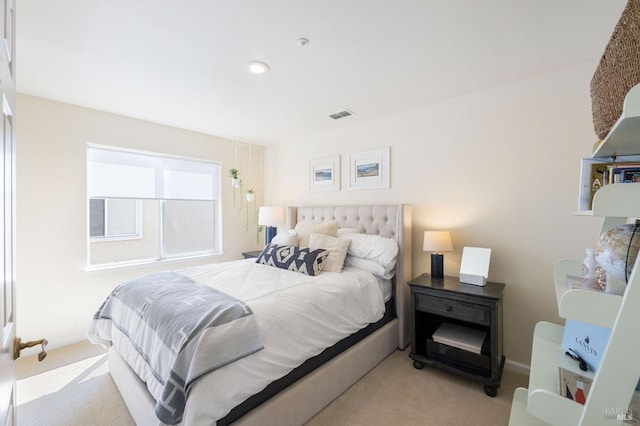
x=449, y=309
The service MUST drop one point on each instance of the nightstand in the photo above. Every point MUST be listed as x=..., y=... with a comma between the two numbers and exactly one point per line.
x=467, y=308
x=251, y=254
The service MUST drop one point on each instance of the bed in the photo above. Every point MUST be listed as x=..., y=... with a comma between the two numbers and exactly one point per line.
x=305, y=390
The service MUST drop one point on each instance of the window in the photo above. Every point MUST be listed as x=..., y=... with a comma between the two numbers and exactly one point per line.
x=174, y=200
x=113, y=218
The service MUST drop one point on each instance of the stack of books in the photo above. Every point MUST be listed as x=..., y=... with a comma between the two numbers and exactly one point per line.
x=458, y=336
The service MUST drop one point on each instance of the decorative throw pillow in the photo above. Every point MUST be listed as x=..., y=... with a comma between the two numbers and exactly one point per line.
x=305, y=228
x=286, y=238
x=337, y=250
x=297, y=259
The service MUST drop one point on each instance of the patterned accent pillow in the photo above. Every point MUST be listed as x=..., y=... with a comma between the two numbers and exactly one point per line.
x=297, y=259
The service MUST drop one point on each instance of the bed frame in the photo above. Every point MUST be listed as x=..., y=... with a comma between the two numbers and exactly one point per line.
x=308, y=396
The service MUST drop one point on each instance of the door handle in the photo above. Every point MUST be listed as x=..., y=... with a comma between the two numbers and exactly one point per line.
x=18, y=346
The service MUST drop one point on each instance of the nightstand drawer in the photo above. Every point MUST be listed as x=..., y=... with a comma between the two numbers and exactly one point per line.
x=454, y=309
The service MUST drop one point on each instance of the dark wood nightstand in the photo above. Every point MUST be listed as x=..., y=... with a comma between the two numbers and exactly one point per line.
x=251, y=254
x=438, y=301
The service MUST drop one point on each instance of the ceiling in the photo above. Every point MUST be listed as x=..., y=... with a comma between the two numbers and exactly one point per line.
x=181, y=63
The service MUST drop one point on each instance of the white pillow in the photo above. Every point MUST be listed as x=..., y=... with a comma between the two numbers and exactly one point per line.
x=370, y=265
x=344, y=231
x=337, y=250
x=286, y=238
x=374, y=247
x=305, y=228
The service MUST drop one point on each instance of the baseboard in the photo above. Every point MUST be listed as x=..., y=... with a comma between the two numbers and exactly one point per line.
x=517, y=367
x=30, y=366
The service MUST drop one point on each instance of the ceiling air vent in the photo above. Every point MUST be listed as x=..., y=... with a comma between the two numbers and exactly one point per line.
x=341, y=114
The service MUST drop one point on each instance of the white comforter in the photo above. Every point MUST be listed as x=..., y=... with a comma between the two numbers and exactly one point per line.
x=298, y=317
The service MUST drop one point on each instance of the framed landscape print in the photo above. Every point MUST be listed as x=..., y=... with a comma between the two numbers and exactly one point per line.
x=369, y=169
x=324, y=174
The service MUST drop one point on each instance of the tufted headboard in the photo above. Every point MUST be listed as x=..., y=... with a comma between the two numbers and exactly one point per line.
x=392, y=221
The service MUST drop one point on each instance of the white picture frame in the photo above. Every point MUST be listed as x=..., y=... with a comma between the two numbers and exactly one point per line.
x=324, y=174
x=369, y=169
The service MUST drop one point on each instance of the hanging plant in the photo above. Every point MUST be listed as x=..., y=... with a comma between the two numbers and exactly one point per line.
x=235, y=180
x=235, y=183
x=251, y=195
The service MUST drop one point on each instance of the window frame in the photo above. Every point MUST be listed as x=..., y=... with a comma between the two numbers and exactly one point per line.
x=217, y=216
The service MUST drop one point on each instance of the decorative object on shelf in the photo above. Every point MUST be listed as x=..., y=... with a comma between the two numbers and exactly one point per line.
x=474, y=267
x=601, y=278
x=589, y=269
x=369, y=169
x=617, y=249
x=436, y=242
x=587, y=341
x=618, y=70
x=271, y=217
x=324, y=174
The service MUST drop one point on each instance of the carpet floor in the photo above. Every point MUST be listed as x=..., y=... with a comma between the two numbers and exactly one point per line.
x=393, y=393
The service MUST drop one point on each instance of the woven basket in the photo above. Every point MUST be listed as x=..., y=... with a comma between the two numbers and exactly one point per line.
x=618, y=70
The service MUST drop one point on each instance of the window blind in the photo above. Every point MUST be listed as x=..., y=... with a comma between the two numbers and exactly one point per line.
x=126, y=174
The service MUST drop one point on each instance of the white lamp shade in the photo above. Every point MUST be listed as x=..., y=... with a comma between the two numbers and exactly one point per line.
x=271, y=216
x=437, y=241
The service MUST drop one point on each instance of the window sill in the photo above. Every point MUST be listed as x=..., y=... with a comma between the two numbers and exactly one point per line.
x=127, y=265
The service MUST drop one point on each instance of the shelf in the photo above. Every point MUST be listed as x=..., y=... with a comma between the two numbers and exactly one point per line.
x=590, y=306
x=519, y=415
x=613, y=385
x=617, y=200
x=469, y=361
x=544, y=400
x=623, y=136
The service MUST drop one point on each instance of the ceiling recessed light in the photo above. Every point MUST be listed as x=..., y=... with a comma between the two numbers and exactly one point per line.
x=256, y=67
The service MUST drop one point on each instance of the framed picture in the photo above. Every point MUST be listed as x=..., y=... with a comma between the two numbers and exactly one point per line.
x=324, y=174
x=369, y=169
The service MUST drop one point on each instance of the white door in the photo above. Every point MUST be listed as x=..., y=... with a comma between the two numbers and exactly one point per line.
x=7, y=215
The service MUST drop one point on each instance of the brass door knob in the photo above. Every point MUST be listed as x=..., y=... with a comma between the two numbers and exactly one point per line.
x=18, y=346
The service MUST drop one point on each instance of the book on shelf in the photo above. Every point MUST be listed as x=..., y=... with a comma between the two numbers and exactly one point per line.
x=461, y=337
x=576, y=387
x=599, y=172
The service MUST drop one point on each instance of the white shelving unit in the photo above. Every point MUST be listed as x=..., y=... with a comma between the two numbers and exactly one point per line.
x=615, y=381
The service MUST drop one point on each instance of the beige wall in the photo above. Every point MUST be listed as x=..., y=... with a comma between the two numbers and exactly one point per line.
x=56, y=297
x=498, y=168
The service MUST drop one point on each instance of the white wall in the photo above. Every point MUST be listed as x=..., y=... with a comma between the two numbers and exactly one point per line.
x=498, y=168
x=56, y=297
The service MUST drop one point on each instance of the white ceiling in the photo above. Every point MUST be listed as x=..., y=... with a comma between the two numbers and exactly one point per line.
x=181, y=63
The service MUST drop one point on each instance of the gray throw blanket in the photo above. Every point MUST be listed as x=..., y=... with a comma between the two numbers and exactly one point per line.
x=180, y=328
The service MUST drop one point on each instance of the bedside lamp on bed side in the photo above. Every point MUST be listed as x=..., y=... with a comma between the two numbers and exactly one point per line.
x=270, y=217
x=435, y=242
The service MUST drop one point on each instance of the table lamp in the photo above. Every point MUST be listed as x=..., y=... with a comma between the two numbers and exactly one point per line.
x=436, y=242
x=270, y=217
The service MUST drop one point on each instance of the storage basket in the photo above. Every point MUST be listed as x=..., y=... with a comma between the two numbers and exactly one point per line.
x=618, y=70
